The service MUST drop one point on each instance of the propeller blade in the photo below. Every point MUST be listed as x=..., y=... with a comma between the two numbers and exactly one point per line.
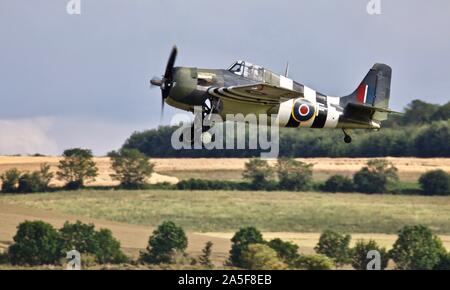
x=162, y=110
x=170, y=64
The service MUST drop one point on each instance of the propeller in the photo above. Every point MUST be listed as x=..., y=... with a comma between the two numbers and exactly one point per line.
x=166, y=82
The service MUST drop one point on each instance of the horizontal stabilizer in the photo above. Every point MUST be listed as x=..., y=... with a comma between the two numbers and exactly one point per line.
x=364, y=107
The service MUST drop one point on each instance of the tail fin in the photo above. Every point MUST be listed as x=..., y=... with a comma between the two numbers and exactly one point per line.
x=373, y=92
x=375, y=89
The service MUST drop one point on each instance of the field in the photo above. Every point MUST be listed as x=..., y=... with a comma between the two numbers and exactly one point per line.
x=171, y=170
x=216, y=215
x=218, y=211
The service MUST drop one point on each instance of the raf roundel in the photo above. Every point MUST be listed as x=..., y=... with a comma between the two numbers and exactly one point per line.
x=303, y=110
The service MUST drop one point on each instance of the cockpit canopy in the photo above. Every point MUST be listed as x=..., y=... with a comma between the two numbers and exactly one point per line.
x=247, y=70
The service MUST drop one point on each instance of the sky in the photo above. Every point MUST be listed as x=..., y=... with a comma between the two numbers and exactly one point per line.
x=82, y=80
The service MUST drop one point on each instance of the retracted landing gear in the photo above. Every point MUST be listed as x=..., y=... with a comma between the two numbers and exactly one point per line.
x=347, y=137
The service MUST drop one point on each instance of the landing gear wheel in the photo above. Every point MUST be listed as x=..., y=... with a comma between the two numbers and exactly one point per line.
x=348, y=139
x=206, y=138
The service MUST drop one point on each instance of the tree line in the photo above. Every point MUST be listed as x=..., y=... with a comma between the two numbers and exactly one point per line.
x=422, y=131
x=132, y=169
x=39, y=243
x=77, y=167
x=378, y=176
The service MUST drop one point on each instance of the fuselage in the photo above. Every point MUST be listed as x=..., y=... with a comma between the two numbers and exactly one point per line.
x=192, y=86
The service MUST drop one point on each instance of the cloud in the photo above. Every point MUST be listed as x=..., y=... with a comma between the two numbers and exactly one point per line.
x=26, y=136
x=51, y=135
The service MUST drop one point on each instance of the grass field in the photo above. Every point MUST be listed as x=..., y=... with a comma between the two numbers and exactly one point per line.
x=225, y=211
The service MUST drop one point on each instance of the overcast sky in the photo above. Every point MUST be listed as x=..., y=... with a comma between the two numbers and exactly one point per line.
x=82, y=80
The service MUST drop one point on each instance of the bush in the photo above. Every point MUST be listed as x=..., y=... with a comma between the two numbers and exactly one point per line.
x=30, y=182
x=261, y=257
x=10, y=180
x=108, y=248
x=78, y=236
x=360, y=251
x=167, y=241
x=435, y=182
x=288, y=252
x=4, y=258
x=294, y=175
x=313, y=262
x=83, y=238
x=375, y=177
x=36, y=181
x=417, y=249
x=205, y=258
x=338, y=183
x=35, y=243
x=444, y=262
x=201, y=184
x=131, y=167
x=240, y=242
x=259, y=173
x=77, y=167
x=335, y=246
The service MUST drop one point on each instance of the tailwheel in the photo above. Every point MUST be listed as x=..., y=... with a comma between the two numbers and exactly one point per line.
x=347, y=137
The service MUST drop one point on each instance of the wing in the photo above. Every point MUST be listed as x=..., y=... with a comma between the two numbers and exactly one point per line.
x=256, y=93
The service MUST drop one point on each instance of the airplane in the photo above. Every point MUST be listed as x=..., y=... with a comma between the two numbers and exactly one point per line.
x=245, y=88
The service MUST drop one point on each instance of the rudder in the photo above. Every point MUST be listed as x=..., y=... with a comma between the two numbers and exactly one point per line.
x=375, y=88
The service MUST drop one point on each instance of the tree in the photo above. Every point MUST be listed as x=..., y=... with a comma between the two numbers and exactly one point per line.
x=259, y=172
x=435, y=182
x=288, y=252
x=45, y=176
x=35, y=243
x=240, y=242
x=167, y=240
x=261, y=257
x=443, y=113
x=86, y=240
x=36, y=181
x=335, y=246
x=77, y=167
x=360, y=251
x=418, y=112
x=417, y=249
x=131, y=167
x=375, y=176
x=313, y=262
x=293, y=174
x=434, y=141
x=10, y=180
x=338, y=183
x=205, y=258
